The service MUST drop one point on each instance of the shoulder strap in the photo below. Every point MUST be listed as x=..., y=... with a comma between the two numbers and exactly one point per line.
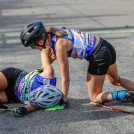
x=33, y=73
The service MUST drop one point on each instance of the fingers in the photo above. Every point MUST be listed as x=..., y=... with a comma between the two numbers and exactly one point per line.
x=46, y=51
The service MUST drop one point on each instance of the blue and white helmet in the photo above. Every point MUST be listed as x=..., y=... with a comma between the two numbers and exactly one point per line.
x=45, y=96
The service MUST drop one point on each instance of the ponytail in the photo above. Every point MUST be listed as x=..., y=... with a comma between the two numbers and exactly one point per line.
x=55, y=31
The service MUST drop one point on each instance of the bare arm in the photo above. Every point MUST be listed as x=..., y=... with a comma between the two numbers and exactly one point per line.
x=30, y=108
x=64, y=67
x=48, y=52
x=52, y=57
x=45, y=57
x=48, y=71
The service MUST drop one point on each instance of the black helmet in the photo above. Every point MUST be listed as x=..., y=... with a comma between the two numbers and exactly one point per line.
x=31, y=33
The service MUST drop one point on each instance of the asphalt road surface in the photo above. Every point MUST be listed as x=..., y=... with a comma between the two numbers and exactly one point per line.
x=110, y=19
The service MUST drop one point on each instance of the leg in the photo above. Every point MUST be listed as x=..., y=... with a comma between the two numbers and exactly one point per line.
x=3, y=86
x=3, y=97
x=115, y=79
x=3, y=82
x=8, y=78
x=95, y=85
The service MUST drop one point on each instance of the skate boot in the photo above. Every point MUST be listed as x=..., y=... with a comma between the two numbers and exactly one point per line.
x=124, y=96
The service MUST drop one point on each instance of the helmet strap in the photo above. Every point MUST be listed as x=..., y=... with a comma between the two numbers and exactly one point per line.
x=36, y=44
x=45, y=41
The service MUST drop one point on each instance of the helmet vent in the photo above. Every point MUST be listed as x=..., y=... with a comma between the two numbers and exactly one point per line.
x=30, y=30
x=46, y=94
x=37, y=32
x=52, y=90
x=47, y=102
x=29, y=25
x=50, y=97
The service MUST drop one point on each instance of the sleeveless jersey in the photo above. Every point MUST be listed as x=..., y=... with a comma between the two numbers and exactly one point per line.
x=83, y=43
x=29, y=82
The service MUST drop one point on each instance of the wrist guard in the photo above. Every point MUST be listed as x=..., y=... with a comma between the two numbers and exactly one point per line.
x=20, y=112
x=65, y=103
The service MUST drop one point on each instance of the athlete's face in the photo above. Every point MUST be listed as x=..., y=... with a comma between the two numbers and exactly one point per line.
x=41, y=42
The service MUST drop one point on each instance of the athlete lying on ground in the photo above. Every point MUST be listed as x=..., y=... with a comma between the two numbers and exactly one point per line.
x=36, y=89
